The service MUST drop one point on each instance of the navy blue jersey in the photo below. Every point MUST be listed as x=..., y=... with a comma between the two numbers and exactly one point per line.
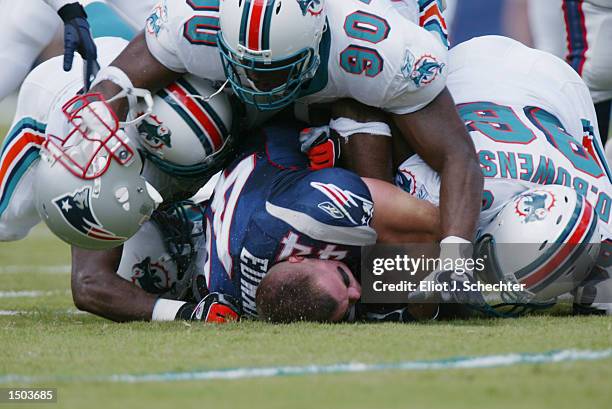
x=268, y=206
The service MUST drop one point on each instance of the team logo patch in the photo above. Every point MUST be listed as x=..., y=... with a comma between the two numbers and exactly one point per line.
x=534, y=206
x=421, y=71
x=358, y=210
x=154, y=133
x=157, y=17
x=76, y=209
x=312, y=7
x=151, y=277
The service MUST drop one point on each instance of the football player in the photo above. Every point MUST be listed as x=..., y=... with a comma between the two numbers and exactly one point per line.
x=269, y=214
x=277, y=52
x=176, y=148
x=533, y=123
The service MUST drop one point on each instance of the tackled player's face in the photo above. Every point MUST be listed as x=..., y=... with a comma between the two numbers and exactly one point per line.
x=335, y=278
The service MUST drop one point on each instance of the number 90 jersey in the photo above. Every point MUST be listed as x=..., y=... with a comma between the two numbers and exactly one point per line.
x=373, y=51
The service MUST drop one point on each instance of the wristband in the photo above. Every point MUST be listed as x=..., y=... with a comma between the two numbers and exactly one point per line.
x=166, y=310
x=454, y=248
x=69, y=11
x=346, y=127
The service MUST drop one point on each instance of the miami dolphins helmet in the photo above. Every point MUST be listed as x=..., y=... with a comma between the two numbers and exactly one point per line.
x=162, y=256
x=187, y=134
x=270, y=48
x=89, y=190
x=547, y=239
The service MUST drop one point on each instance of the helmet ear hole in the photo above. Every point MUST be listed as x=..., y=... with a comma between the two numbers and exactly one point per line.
x=278, y=7
x=543, y=245
x=559, y=219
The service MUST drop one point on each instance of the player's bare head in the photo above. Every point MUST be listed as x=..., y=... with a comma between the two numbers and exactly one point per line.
x=303, y=289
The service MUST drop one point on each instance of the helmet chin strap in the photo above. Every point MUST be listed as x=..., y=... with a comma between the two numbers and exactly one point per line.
x=211, y=96
x=117, y=76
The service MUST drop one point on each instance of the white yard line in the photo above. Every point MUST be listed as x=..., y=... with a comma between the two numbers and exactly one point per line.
x=31, y=293
x=56, y=269
x=70, y=311
x=475, y=362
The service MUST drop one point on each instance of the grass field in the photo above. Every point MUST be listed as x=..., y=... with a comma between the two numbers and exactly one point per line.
x=77, y=353
x=45, y=342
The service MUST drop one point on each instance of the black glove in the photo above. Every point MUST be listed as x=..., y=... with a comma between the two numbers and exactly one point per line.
x=77, y=37
x=215, y=307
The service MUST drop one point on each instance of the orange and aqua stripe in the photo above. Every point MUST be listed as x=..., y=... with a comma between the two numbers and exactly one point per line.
x=197, y=114
x=20, y=150
x=564, y=251
x=431, y=19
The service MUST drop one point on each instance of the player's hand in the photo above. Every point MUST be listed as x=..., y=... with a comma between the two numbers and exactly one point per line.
x=215, y=307
x=77, y=38
x=322, y=148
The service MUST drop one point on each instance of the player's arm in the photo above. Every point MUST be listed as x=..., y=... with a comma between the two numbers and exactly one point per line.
x=358, y=139
x=367, y=154
x=400, y=217
x=96, y=287
x=438, y=135
x=141, y=68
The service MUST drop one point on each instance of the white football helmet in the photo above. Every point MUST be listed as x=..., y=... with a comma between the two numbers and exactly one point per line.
x=269, y=48
x=187, y=133
x=546, y=238
x=89, y=190
x=163, y=255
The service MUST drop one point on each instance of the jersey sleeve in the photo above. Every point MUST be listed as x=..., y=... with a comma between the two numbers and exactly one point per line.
x=419, y=72
x=161, y=31
x=330, y=205
x=182, y=36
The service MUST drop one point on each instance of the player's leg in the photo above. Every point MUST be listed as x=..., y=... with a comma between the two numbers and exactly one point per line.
x=27, y=27
x=589, y=34
x=18, y=158
x=547, y=28
x=19, y=154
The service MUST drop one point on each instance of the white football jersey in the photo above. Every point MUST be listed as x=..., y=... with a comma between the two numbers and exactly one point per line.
x=375, y=53
x=182, y=35
x=532, y=122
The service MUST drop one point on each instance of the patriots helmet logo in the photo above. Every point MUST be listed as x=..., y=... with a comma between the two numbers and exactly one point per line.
x=154, y=133
x=535, y=206
x=313, y=7
x=76, y=210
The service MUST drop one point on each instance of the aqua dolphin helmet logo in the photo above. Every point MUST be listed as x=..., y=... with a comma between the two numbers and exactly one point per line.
x=535, y=206
x=153, y=132
x=151, y=277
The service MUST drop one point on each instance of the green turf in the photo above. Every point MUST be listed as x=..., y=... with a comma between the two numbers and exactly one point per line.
x=51, y=340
